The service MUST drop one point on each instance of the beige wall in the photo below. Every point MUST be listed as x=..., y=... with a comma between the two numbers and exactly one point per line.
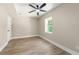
x=3, y=26
x=21, y=25
x=24, y=26
x=5, y=11
x=66, y=24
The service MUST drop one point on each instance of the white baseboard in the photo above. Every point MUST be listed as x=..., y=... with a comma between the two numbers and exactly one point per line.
x=61, y=46
x=3, y=46
x=23, y=36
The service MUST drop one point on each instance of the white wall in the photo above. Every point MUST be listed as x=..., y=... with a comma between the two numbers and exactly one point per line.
x=66, y=24
x=24, y=26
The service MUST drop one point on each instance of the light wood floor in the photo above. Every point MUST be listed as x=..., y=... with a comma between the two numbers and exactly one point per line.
x=31, y=46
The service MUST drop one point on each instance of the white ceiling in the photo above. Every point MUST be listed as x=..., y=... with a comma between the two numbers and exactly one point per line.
x=22, y=9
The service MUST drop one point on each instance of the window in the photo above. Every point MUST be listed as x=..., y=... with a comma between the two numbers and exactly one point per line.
x=48, y=25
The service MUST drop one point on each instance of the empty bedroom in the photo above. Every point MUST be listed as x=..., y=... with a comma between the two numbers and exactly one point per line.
x=39, y=28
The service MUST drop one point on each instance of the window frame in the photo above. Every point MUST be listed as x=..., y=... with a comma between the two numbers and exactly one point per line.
x=46, y=24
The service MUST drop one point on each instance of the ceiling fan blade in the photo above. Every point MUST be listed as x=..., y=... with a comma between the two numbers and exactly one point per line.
x=43, y=10
x=32, y=6
x=37, y=6
x=32, y=11
x=42, y=5
x=37, y=13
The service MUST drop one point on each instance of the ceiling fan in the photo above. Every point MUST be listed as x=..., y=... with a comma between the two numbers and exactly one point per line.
x=37, y=8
